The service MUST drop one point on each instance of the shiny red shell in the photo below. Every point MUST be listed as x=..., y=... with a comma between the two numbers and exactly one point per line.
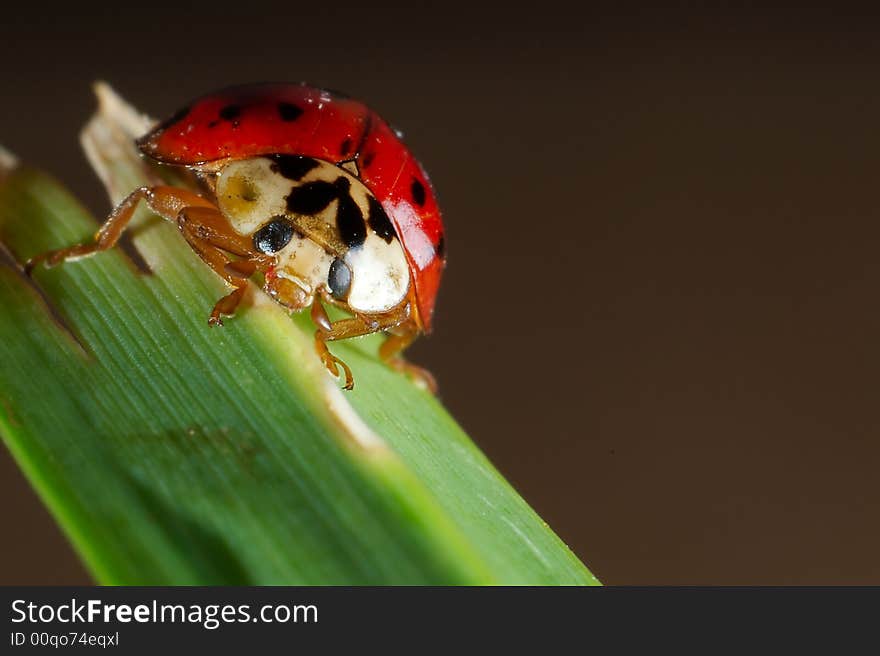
x=295, y=119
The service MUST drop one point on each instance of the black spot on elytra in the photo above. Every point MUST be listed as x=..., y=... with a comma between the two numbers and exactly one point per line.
x=418, y=192
x=368, y=128
x=273, y=236
x=368, y=159
x=345, y=148
x=311, y=197
x=379, y=221
x=350, y=222
x=230, y=112
x=440, y=248
x=292, y=167
x=213, y=124
x=289, y=111
x=339, y=279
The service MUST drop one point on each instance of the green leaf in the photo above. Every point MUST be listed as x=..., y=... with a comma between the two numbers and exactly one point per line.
x=175, y=453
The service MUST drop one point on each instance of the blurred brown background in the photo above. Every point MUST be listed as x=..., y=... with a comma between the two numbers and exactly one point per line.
x=660, y=316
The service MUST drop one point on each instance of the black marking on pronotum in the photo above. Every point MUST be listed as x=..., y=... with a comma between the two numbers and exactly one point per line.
x=339, y=279
x=273, y=236
x=292, y=167
x=312, y=197
x=349, y=218
x=440, y=248
x=418, y=192
x=345, y=147
x=289, y=112
x=379, y=221
x=8, y=259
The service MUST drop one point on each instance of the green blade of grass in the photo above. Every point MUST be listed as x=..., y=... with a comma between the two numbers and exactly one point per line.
x=173, y=453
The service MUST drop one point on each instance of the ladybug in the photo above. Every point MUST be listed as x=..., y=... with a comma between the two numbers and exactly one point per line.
x=314, y=191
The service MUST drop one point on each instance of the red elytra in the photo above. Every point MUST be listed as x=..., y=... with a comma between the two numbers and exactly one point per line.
x=296, y=119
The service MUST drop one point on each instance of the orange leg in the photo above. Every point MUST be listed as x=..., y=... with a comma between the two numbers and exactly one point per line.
x=164, y=201
x=389, y=352
x=200, y=222
x=210, y=236
x=327, y=332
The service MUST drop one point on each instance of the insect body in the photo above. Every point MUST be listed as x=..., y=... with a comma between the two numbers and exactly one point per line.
x=312, y=190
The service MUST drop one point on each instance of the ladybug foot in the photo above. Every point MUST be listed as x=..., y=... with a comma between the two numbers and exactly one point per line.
x=216, y=316
x=332, y=363
x=53, y=258
x=226, y=306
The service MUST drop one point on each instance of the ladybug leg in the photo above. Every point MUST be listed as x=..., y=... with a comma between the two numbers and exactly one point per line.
x=356, y=327
x=208, y=233
x=390, y=351
x=164, y=201
x=327, y=332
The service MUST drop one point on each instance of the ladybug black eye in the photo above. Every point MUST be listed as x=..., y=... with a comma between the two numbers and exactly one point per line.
x=339, y=279
x=273, y=236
